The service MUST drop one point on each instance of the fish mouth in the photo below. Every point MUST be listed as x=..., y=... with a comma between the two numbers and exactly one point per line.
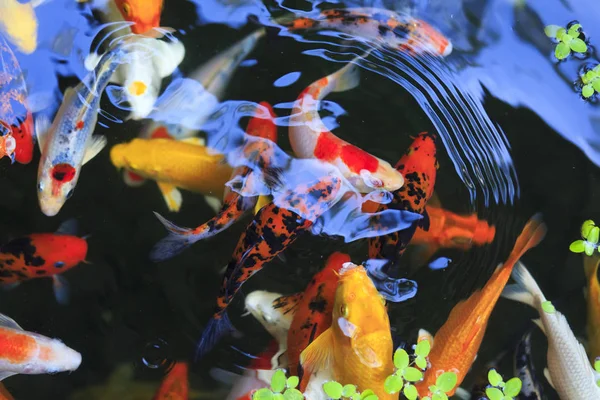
x=447, y=49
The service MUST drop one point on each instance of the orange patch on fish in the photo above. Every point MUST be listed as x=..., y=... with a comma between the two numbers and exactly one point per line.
x=161, y=132
x=15, y=347
x=137, y=88
x=357, y=159
x=79, y=125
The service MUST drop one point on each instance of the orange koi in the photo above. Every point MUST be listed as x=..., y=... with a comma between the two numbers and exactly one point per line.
x=234, y=205
x=145, y=14
x=175, y=385
x=457, y=342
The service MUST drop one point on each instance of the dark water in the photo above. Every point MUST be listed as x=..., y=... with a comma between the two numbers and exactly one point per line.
x=122, y=305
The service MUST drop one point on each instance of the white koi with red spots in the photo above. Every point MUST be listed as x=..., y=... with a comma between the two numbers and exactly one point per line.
x=310, y=138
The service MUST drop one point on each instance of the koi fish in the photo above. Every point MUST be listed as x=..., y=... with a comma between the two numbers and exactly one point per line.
x=419, y=168
x=175, y=385
x=174, y=164
x=43, y=255
x=68, y=143
x=569, y=370
x=30, y=353
x=590, y=265
x=457, y=342
x=16, y=121
x=19, y=23
x=395, y=30
x=234, y=207
x=310, y=138
x=525, y=370
x=357, y=347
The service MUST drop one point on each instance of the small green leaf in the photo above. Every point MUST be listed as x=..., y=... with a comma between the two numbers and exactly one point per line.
x=513, y=387
x=333, y=389
x=348, y=390
x=410, y=391
x=292, y=382
x=597, y=364
x=560, y=33
x=439, y=396
x=494, y=393
x=278, y=396
x=393, y=384
x=574, y=30
x=278, y=381
x=356, y=396
x=596, y=85
x=412, y=374
x=421, y=362
x=446, y=381
x=494, y=377
x=262, y=394
x=548, y=308
x=370, y=397
x=587, y=91
x=293, y=394
x=577, y=246
x=401, y=359
x=566, y=38
x=423, y=348
x=593, y=235
x=578, y=45
x=551, y=30
x=588, y=248
x=588, y=224
x=588, y=77
x=562, y=51
x=366, y=394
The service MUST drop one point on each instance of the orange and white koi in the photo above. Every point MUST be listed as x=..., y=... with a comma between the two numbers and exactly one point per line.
x=395, y=30
x=23, y=352
x=310, y=138
x=457, y=342
x=19, y=22
x=16, y=122
x=175, y=385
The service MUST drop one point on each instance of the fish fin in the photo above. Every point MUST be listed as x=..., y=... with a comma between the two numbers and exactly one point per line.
x=6, y=374
x=214, y=203
x=132, y=179
x=198, y=141
x=10, y=286
x=529, y=292
x=172, y=196
x=318, y=355
x=8, y=322
x=167, y=56
x=425, y=335
x=275, y=359
x=42, y=127
x=347, y=78
x=463, y=394
x=213, y=332
x=68, y=227
x=95, y=146
x=539, y=323
x=91, y=61
x=518, y=293
x=262, y=201
x=177, y=240
x=548, y=377
x=533, y=233
x=282, y=257
x=62, y=290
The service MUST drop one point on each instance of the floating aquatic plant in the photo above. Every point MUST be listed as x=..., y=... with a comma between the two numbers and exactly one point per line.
x=597, y=369
x=591, y=82
x=499, y=390
x=405, y=375
x=282, y=388
x=568, y=40
x=336, y=390
x=443, y=384
x=590, y=234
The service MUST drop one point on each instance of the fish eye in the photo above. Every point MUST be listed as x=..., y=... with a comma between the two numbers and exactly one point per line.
x=344, y=310
x=59, y=264
x=127, y=9
x=40, y=187
x=70, y=193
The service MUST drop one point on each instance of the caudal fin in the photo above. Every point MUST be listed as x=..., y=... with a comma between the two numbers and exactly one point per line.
x=526, y=290
x=533, y=233
x=177, y=240
x=217, y=328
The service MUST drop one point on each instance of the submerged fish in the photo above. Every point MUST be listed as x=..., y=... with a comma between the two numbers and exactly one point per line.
x=68, y=143
x=419, y=168
x=234, y=207
x=525, y=370
x=23, y=352
x=357, y=348
x=310, y=138
x=173, y=165
x=457, y=342
x=145, y=14
x=395, y=30
x=590, y=265
x=19, y=23
x=16, y=122
x=569, y=370
x=175, y=385
x=43, y=255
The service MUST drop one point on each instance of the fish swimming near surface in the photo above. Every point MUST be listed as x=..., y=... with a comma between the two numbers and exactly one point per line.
x=419, y=168
x=590, y=265
x=357, y=347
x=398, y=31
x=23, y=352
x=569, y=371
x=19, y=23
x=457, y=342
x=16, y=121
x=68, y=143
x=174, y=165
x=524, y=369
x=175, y=384
x=310, y=138
x=234, y=206
x=43, y=255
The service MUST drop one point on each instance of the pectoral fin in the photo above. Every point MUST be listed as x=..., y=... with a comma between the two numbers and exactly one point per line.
x=548, y=377
x=95, y=146
x=8, y=322
x=261, y=202
x=172, y=196
x=319, y=354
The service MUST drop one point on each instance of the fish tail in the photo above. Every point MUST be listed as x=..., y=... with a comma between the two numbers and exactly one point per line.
x=533, y=233
x=526, y=290
x=176, y=241
x=347, y=78
x=218, y=327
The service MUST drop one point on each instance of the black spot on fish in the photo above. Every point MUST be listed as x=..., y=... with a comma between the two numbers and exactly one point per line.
x=401, y=31
x=24, y=247
x=40, y=272
x=383, y=30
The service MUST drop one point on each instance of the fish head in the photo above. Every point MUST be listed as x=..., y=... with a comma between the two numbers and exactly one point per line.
x=385, y=177
x=145, y=14
x=56, y=183
x=260, y=304
x=59, y=252
x=424, y=38
x=360, y=319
